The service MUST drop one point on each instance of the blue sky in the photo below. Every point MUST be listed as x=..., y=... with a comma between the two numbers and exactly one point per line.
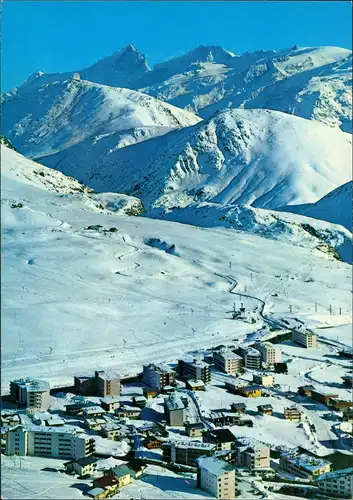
x=62, y=36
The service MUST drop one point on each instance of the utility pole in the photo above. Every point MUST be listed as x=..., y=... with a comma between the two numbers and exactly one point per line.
x=250, y=276
x=290, y=308
x=330, y=309
x=230, y=265
x=340, y=311
x=315, y=307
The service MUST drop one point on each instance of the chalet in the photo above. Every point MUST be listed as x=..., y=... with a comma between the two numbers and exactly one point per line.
x=137, y=467
x=250, y=391
x=81, y=466
x=195, y=385
x=93, y=411
x=238, y=407
x=111, y=430
x=306, y=390
x=95, y=423
x=109, y=483
x=322, y=397
x=54, y=422
x=340, y=404
x=223, y=417
x=292, y=413
x=265, y=409
x=194, y=430
x=110, y=404
x=123, y=474
x=223, y=438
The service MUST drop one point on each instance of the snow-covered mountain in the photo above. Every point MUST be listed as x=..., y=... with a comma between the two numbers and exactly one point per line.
x=311, y=82
x=262, y=158
x=56, y=115
x=336, y=207
x=86, y=280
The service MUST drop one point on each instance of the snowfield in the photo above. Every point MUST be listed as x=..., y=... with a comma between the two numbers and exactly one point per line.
x=105, y=298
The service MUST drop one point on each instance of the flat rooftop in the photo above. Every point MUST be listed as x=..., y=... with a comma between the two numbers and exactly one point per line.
x=215, y=465
x=32, y=384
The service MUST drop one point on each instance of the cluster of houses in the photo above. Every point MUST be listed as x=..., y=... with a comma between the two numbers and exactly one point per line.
x=209, y=448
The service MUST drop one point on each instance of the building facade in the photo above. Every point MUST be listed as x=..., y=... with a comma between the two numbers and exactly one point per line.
x=269, y=353
x=31, y=393
x=174, y=411
x=253, y=457
x=217, y=477
x=48, y=442
x=306, y=339
x=102, y=384
x=337, y=484
x=227, y=361
x=292, y=413
x=195, y=370
x=263, y=379
x=252, y=359
x=158, y=375
x=186, y=452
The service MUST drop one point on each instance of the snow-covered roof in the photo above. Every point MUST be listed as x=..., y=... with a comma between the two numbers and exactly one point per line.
x=32, y=384
x=215, y=465
x=90, y=410
x=228, y=354
x=336, y=474
x=110, y=400
x=306, y=462
x=174, y=403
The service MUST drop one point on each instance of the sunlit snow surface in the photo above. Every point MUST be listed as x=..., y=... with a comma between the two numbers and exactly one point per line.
x=107, y=299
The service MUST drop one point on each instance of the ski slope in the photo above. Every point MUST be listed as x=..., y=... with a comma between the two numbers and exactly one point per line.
x=101, y=298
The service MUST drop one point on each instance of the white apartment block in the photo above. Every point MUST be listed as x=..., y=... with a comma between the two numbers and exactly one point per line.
x=51, y=442
x=31, y=392
x=269, y=353
x=252, y=359
x=217, y=477
x=227, y=361
x=306, y=339
x=337, y=484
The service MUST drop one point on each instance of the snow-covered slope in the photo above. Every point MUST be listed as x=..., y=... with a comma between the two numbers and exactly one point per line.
x=311, y=82
x=296, y=229
x=78, y=296
x=264, y=158
x=336, y=207
x=57, y=115
x=18, y=173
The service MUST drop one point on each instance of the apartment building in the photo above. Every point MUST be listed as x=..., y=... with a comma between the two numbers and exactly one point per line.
x=337, y=484
x=252, y=359
x=51, y=442
x=223, y=439
x=255, y=457
x=102, y=384
x=217, y=477
x=107, y=383
x=269, y=353
x=264, y=379
x=292, y=413
x=305, y=466
x=158, y=375
x=195, y=370
x=227, y=361
x=174, y=411
x=186, y=452
x=31, y=393
x=306, y=339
